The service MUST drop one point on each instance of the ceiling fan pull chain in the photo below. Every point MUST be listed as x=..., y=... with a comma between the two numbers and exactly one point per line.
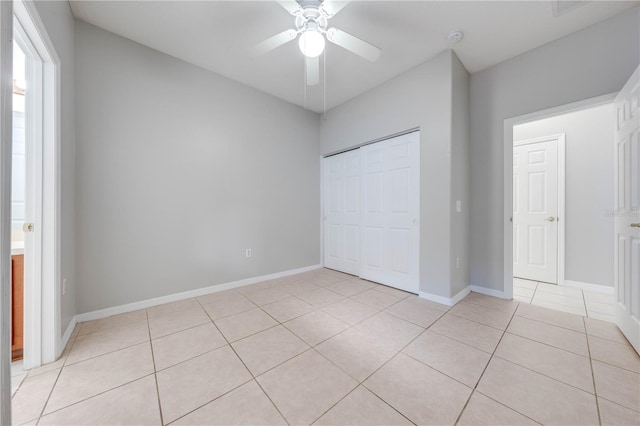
x=324, y=84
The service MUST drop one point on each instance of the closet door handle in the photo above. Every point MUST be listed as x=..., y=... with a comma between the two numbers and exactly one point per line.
x=635, y=225
x=550, y=219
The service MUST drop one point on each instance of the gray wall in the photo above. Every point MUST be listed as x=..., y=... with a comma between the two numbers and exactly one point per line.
x=591, y=62
x=588, y=189
x=459, y=177
x=421, y=98
x=179, y=170
x=59, y=22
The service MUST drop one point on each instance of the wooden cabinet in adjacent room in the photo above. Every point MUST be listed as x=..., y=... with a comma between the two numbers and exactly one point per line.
x=17, y=305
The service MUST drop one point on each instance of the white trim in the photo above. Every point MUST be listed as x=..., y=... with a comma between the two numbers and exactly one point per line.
x=595, y=288
x=449, y=301
x=488, y=291
x=67, y=334
x=44, y=320
x=507, y=196
x=560, y=140
x=143, y=304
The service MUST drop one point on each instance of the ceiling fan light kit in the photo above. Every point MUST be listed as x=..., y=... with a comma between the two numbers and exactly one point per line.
x=311, y=21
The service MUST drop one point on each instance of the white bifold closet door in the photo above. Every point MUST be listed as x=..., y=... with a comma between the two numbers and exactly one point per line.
x=342, y=193
x=371, y=226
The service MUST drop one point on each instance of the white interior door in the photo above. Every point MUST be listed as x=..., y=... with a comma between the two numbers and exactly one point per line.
x=390, y=228
x=627, y=217
x=342, y=212
x=535, y=210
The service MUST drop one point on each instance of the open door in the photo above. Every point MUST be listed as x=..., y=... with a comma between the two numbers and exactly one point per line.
x=627, y=210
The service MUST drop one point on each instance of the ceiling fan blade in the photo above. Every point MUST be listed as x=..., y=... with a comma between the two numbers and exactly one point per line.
x=273, y=42
x=354, y=44
x=332, y=7
x=290, y=6
x=313, y=70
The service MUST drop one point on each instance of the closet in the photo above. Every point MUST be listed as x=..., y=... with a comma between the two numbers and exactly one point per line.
x=371, y=203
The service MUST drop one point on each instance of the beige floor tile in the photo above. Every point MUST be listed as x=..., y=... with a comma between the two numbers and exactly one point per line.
x=263, y=351
x=219, y=295
x=569, y=340
x=306, y=386
x=390, y=330
x=572, y=300
x=112, y=321
x=559, y=290
x=225, y=306
x=102, y=342
x=191, y=384
x=245, y=324
x=325, y=280
x=350, y=288
x=496, y=303
x=287, y=309
x=521, y=299
x=455, y=359
x=604, y=298
x=429, y=303
x=550, y=316
x=521, y=283
x=136, y=402
x=350, y=311
x=617, y=385
x=297, y=287
x=616, y=415
x=246, y=405
x=316, y=327
x=484, y=411
x=570, y=309
x=321, y=297
x=175, y=348
x=246, y=289
x=96, y=375
x=166, y=322
x=482, y=314
x=604, y=330
x=30, y=399
x=536, y=396
x=400, y=294
x=567, y=367
x=478, y=335
x=179, y=306
x=376, y=299
x=422, y=394
x=267, y=295
x=418, y=311
x=602, y=308
x=619, y=354
x=361, y=407
x=526, y=293
x=357, y=353
x=601, y=317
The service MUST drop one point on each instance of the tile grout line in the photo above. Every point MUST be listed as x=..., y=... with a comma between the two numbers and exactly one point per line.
x=155, y=371
x=253, y=377
x=593, y=376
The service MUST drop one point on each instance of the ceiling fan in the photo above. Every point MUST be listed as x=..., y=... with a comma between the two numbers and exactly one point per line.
x=311, y=22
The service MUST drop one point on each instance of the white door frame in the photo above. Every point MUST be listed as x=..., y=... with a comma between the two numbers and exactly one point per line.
x=561, y=139
x=43, y=343
x=6, y=145
x=507, y=176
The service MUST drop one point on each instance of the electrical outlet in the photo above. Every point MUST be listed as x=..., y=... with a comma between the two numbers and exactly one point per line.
x=457, y=263
x=247, y=253
x=64, y=286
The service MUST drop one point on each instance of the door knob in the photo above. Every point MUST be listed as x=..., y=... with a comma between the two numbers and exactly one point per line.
x=550, y=219
x=635, y=225
x=27, y=227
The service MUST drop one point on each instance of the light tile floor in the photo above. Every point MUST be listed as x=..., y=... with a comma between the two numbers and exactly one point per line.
x=325, y=348
x=566, y=299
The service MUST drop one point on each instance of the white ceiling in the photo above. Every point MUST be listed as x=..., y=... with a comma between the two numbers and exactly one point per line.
x=217, y=35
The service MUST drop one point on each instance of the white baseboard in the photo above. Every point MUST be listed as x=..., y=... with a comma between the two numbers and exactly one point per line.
x=449, y=301
x=66, y=336
x=143, y=304
x=488, y=291
x=596, y=288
